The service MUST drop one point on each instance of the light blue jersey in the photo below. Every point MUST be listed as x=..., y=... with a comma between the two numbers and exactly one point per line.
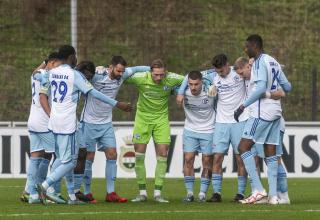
x=96, y=111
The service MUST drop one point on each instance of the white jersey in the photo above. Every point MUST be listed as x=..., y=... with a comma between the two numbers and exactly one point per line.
x=231, y=94
x=38, y=119
x=266, y=68
x=199, y=111
x=96, y=111
x=66, y=84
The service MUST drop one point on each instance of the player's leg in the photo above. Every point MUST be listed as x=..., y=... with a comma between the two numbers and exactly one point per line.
x=190, y=145
x=37, y=153
x=162, y=139
x=206, y=174
x=48, y=142
x=236, y=133
x=107, y=143
x=220, y=148
x=81, y=162
x=67, y=149
x=91, y=136
x=141, y=136
x=271, y=141
x=188, y=172
x=161, y=169
x=282, y=180
x=205, y=141
x=244, y=148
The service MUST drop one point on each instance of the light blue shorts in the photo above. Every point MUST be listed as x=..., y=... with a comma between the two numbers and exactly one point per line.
x=226, y=134
x=41, y=141
x=101, y=135
x=80, y=136
x=66, y=148
x=258, y=149
x=194, y=141
x=261, y=131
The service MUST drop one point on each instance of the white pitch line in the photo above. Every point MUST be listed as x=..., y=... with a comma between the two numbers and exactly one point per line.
x=148, y=212
x=11, y=186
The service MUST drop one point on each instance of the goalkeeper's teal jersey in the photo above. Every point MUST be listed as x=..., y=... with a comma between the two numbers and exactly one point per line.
x=152, y=104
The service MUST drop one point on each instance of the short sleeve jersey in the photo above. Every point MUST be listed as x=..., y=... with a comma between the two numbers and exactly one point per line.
x=65, y=85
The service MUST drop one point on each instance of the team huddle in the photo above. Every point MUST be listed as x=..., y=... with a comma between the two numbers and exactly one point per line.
x=238, y=105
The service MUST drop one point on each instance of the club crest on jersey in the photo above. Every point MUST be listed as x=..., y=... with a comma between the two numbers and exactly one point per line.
x=127, y=157
x=137, y=136
x=166, y=88
x=236, y=78
x=205, y=101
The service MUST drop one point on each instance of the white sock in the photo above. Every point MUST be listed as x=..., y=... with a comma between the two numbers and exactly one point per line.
x=45, y=185
x=72, y=197
x=50, y=190
x=143, y=192
x=157, y=192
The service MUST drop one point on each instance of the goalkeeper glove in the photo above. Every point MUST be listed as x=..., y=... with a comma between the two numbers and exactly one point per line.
x=238, y=112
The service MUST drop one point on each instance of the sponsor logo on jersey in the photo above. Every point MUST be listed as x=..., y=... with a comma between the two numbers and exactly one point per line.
x=166, y=88
x=205, y=101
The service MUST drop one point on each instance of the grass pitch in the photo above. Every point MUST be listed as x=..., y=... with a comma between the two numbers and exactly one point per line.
x=304, y=195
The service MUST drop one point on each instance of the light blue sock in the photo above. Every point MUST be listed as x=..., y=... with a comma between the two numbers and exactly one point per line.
x=69, y=182
x=87, y=176
x=282, y=181
x=250, y=165
x=242, y=183
x=57, y=184
x=272, y=164
x=60, y=172
x=189, y=183
x=217, y=182
x=33, y=174
x=204, y=185
x=43, y=169
x=77, y=178
x=111, y=174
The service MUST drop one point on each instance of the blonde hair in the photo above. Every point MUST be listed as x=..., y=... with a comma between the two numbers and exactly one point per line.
x=240, y=63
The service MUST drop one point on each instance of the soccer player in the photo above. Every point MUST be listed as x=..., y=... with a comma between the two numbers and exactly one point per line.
x=41, y=139
x=197, y=134
x=263, y=125
x=152, y=119
x=231, y=93
x=97, y=124
x=66, y=84
x=243, y=67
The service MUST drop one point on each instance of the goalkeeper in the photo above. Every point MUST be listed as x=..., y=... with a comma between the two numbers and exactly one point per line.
x=152, y=119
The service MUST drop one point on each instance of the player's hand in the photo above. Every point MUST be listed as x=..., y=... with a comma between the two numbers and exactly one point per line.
x=100, y=69
x=238, y=112
x=212, y=91
x=277, y=94
x=179, y=100
x=127, y=107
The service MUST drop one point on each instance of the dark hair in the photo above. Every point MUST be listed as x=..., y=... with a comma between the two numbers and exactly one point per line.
x=87, y=68
x=194, y=75
x=52, y=56
x=157, y=63
x=118, y=60
x=219, y=60
x=256, y=39
x=65, y=51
